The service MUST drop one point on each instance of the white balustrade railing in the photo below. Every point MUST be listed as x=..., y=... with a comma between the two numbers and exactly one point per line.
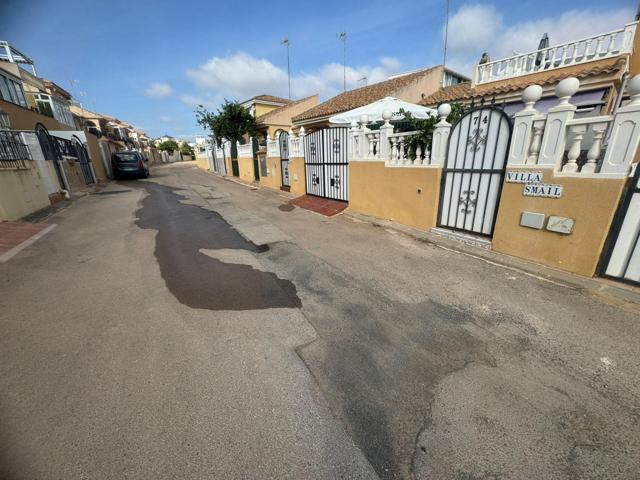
x=405, y=152
x=603, y=145
x=597, y=47
x=219, y=153
x=585, y=135
x=227, y=149
x=245, y=150
x=296, y=146
x=273, y=148
x=399, y=149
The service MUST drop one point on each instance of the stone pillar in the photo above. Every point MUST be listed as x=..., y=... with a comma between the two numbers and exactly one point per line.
x=523, y=127
x=385, y=130
x=555, y=131
x=625, y=133
x=441, y=136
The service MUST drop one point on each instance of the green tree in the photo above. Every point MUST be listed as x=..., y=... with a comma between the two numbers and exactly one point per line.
x=425, y=127
x=231, y=121
x=186, y=149
x=168, y=146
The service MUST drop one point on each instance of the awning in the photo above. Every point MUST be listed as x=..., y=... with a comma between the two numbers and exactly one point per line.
x=374, y=111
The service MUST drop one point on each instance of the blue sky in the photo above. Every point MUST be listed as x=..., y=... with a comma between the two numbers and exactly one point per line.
x=150, y=62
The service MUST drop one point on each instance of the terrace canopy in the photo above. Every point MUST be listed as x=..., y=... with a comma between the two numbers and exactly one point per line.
x=374, y=110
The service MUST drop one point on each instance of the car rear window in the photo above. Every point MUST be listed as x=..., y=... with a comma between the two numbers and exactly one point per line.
x=125, y=157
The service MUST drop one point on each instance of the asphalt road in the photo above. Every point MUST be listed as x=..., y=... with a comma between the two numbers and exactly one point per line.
x=190, y=327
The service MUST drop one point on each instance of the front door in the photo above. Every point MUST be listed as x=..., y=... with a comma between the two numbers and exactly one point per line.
x=474, y=170
x=284, y=159
x=622, y=255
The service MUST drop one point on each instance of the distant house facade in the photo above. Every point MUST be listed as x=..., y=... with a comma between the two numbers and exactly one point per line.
x=263, y=104
x=410, y=87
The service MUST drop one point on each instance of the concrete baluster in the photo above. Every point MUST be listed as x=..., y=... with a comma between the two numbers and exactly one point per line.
x=578, y=132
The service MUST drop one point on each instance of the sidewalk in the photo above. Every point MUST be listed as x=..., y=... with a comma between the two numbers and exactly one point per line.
x=617, y=293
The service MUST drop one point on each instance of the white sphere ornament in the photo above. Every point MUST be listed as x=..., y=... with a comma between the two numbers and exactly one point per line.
x=567, y=88
x=633, y=85
x=444, y=110
x=532, y=94
x=364, y=119
x=386, y=115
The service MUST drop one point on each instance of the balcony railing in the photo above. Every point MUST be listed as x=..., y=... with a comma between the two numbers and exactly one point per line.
x=597, y=47
x=245, y=150
x=273, y=148
x=13, y=151
x=400, y=149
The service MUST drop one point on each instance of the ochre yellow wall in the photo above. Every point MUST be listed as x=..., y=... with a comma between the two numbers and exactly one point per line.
x=21, y=192
x=591, y=202
x=273, y=179
x=392, y=193
x=262, y=109
x=25, y=119
x=96, y=157
x=245, y=166
x=297, y=176
x=74, y=175
x=202, y=161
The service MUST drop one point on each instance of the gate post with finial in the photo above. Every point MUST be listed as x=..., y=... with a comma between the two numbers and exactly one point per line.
x=523, y=127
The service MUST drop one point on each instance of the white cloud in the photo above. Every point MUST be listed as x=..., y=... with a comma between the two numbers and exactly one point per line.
x=476, y=28
x=242, y=76
x=159, y=90
x=166, y=119
x=195, y=101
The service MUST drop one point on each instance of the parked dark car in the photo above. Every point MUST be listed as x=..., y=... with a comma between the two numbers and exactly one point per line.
x=127, y=164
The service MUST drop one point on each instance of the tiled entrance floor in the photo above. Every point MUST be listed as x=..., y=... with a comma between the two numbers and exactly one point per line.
x=323, y=206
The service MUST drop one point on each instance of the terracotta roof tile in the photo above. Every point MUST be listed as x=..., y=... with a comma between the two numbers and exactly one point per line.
x=361, y=96
x=464, y=91
x=271, y=98
x=265, y=116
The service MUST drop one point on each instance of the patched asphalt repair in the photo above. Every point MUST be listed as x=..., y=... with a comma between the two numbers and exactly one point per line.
x=197, y=280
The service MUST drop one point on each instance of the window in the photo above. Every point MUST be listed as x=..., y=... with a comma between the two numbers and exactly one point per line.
x=450, y=79
x=11, y=91
x=52, y=107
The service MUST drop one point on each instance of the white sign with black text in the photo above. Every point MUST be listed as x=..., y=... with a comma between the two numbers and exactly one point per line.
x=519, y=176
x=542, y=190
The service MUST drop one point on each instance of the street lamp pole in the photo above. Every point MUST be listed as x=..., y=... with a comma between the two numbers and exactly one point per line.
x=342, y=36
x=287, y=44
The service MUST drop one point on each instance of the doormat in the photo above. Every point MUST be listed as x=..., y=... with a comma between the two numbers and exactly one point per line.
x=323, y=206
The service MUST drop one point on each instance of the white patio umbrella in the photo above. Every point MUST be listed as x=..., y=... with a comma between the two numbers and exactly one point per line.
x=374, y=110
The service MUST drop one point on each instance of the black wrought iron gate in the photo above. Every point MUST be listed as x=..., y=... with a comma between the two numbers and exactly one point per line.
x=84, y=161
x=474, y=171
x=622, y=250
x=283, y=140
x=326, y=164
x=51, y=153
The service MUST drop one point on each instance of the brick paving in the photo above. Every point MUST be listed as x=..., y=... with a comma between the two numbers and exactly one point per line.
x=13, y=234
x=323, y=206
